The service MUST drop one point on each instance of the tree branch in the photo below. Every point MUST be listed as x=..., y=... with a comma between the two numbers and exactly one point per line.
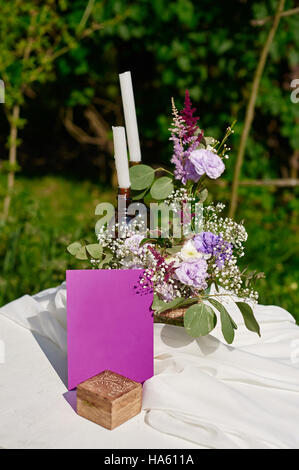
x=251, y=107
x=76, y=132
x=86, y=15
x=262, y=21
x=100, y=128
x=283, y=182
x=97, y=124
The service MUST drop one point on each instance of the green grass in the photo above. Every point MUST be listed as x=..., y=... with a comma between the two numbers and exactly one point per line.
x=49, y=213
x=46, y=215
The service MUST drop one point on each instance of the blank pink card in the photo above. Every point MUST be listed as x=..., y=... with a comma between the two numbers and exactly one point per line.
x=109, y=325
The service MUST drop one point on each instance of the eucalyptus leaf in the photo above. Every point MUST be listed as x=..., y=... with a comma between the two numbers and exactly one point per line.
x=188, y=302
x=249, y=318
x=174, y=249
x=141, y=176
x=95, y=250
x=81, y=254
x=146, y=240
x=170, y=305
x=162, y=188
x=227, y=323
x=208, y=291
x=210, y=140
x=137, y=195
x=203, y=195
x=73, y=248
x=160, y=306
x=199, y=320
x=106, y=260
x=201, y=146
x=157, y=303
x=148, y=199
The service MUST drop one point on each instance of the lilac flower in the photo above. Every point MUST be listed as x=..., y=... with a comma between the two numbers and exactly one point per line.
x=209, y=243
x=193, y=273
x=208, y=162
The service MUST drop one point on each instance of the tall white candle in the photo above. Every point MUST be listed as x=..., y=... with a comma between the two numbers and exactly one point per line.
x=121, y=157
x=130, y=116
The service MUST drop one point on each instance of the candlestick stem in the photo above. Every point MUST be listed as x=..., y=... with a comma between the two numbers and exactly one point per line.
x=126, y=192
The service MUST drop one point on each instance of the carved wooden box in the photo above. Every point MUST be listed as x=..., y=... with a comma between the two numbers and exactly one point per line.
x=109, y=399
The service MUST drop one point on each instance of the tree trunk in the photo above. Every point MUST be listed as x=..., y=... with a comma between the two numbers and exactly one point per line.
x=12, y=159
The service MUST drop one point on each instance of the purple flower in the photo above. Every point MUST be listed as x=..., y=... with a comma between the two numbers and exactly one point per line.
x=206, y=242
x=209, y=243
x=184, y=169
x=190, y=172
x=184, y=134
x=208, y=162
x=193, y=273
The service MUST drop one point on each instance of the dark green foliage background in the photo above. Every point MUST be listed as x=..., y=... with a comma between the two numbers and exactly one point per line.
x=212, y=49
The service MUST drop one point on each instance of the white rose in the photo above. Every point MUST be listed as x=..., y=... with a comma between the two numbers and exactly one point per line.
x=189, y=251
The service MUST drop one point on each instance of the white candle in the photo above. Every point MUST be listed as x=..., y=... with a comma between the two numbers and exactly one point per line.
x=121, y=157
x=130, y=116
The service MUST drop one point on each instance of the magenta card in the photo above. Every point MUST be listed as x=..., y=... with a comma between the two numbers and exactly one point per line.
x=109, y=325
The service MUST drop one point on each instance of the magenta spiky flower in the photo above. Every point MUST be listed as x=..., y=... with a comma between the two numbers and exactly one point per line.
x=187, y=115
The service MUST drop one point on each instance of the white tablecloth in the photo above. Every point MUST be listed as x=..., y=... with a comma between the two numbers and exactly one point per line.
x=204, y=393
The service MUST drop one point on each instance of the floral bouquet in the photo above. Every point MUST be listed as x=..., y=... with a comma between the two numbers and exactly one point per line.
x=189, y=260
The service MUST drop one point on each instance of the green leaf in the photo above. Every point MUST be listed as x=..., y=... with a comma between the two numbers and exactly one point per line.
x=160, y=306
x=106, y=260
x=81, y=254
x=162, y=188
x=157, y=303
x=188, y=302
x=227, y=323
x=141, y=176
x=73, y=248
x=210, y=140
x=146, y=240
x=95, y=250
x=148, y=199
x=203, y=195
x=170, y=305
x=249, y=318
x=174, y=249
x=199, y=320
x=208, y=290
x=137, y=195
